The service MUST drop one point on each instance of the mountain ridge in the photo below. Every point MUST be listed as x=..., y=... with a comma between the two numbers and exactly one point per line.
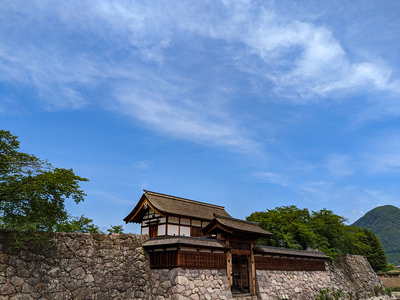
x=384, y=221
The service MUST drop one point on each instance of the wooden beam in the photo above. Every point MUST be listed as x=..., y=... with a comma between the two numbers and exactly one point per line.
x=253, y=270
x=240, y=252
x=229, y=267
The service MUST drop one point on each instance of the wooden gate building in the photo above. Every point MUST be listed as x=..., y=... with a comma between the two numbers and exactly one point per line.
x=196, y=235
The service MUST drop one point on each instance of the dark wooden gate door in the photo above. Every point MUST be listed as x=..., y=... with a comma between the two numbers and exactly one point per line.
x=240, y=274
x=153, y=231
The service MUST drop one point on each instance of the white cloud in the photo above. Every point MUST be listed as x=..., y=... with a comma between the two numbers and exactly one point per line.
x=307, y=60
x=107, y=197
x=381, y=197
x=317, y=191
x=383, y=155
x=339, y=165
x=142, y=165
x=133, y=50
x=373, y=76
x=300, y=57
x=189, y=120
x=272, y=177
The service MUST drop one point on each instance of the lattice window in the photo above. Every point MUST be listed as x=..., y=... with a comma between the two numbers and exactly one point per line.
x=163, y=259
x=192, y=259
x=286, y=264
x=187, y=260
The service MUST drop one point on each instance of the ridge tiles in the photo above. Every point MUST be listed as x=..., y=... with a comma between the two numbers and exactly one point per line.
x=182, y=199
x=217, y=216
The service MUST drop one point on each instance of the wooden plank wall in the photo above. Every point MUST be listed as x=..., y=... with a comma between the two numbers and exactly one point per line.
x=288, y=264
x=188, y=260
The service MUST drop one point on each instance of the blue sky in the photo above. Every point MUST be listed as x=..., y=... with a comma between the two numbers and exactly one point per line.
x=246, y=104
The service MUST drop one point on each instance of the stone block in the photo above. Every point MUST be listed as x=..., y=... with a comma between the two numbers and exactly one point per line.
x=179, y=297
x=16, y=281
x=21, y=297
x=182, y=280
x=78, y=273
x=89, y=278
x=7, y=289
x=178, y=289
x=3, y=258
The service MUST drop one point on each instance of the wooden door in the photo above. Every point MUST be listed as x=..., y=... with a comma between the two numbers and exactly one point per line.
x=153, y=231
x=240, y=274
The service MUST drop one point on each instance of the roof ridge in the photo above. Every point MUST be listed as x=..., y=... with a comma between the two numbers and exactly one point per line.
x=238, y=220
x=184, y=199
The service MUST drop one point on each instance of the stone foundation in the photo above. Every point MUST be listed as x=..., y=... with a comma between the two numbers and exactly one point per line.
x=100, y=266
x=183, y=284
x=75, y=266
x=350, y=277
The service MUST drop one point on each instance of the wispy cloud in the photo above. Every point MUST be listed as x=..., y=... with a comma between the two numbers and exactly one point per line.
x=143, y=165
x=104, y=196
x=135, y=60
x=383, y=155
x=340, y=165
x=188, y=120
x=272, y=177
x=379, y=197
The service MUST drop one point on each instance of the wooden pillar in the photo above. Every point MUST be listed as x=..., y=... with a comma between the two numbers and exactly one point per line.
x=252, y=271
x=229, y=266
x=178, y=257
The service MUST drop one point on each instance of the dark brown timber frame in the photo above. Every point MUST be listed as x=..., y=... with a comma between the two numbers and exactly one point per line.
x=226, y=243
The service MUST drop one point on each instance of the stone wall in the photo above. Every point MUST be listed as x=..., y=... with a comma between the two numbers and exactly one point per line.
x=187, y=284
x=100, y=266
x=350, y=277
x=75, y=266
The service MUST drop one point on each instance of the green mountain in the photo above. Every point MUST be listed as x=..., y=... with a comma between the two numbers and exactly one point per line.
x=384, y=221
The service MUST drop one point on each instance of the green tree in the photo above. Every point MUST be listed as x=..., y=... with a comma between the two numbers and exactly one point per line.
x=289, y=224
x=391, y=267
x=32, y=191
x=116, y=229
x=333, y=237
x=374, y=251
x=77, y=224
x=298, y=229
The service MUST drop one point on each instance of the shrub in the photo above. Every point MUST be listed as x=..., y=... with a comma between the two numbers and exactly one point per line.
x=378, y=291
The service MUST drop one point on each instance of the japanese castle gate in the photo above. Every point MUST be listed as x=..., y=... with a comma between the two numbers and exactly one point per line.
x=196, y=235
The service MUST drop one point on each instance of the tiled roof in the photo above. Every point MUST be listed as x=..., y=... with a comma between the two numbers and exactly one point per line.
x=176, y=206
x=289, y=252
x=201, y=242
x=236, y=225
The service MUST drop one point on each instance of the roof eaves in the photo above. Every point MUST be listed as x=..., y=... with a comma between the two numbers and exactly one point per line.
x=183, y=199
x=135, y=210
x=257, y=230
x=194, y=242
x=143, y=201
x=290, y=252
x=236, y=220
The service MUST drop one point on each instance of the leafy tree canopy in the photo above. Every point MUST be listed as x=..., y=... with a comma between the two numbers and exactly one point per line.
x=32, y=191
x=84, y=225
x=115, y=229
x=299, y=229
x=77, y=224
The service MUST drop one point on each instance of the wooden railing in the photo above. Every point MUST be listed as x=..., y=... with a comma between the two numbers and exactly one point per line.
x=287, y=264
x=188, y=260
